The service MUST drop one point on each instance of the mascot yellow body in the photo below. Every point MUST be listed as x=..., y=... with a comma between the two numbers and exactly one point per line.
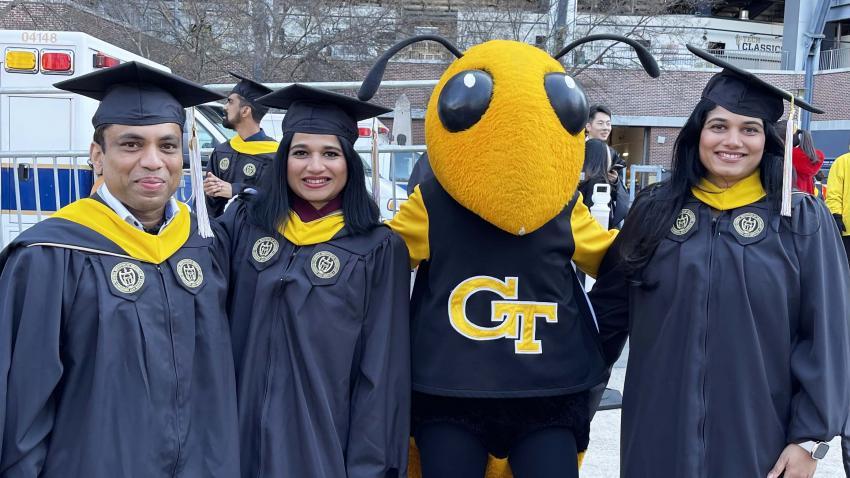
x=513, y=158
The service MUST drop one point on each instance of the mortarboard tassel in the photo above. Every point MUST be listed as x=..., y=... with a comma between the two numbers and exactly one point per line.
x=376, y=184
x=787, y=164
x=196, y=174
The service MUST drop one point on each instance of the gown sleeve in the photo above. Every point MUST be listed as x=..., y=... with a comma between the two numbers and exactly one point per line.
x=380, y=400
x=610, y=299
x=32, y=283
x=820, y=355
x=226, y=231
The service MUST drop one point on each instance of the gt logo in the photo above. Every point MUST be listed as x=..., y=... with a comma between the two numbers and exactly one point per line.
x=518, y=318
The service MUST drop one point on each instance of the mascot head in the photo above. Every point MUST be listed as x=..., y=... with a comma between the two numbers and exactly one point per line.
x=505, y=128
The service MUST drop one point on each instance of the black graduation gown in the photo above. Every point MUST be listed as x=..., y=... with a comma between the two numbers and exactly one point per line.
x=738, y=341
x=323, y=361
x=239, y=168
x=102, y=382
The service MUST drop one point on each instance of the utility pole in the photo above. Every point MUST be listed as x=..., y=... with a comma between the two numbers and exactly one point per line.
x=565, y=18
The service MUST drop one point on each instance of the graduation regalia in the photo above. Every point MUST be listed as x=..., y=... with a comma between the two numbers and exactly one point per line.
x=241, y=162
x=737, y=324
x=320, y=341
x=738, y=348
x=114, y=351
x=114, y=346
x=319, y=318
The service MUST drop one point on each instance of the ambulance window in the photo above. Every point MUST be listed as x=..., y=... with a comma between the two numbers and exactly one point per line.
x=404, y=165
x=205, y=138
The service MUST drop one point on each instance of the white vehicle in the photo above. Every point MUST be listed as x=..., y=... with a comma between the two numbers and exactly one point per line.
x=271, y=124
x=35, y=117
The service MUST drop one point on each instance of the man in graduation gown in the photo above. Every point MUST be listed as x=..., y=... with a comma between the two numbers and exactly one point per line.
x=240, y=162
x=114, y=346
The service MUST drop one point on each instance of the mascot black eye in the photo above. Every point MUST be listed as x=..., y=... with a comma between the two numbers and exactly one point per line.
x=464, y=99
x=568, y=101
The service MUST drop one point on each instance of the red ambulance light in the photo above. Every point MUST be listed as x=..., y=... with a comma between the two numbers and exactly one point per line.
x=104, y=61
x=383, y=130
x=364, y=132
x=57, y=62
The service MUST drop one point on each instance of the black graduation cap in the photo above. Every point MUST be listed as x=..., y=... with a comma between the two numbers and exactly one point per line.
x=743, y=93
x=317, y=111
x=136, y=94
x=250, y=90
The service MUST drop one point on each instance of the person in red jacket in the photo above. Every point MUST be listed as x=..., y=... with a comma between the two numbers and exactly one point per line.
x=807, y=161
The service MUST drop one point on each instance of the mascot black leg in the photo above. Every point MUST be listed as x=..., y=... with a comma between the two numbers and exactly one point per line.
x=545, y=453
x=450, y=451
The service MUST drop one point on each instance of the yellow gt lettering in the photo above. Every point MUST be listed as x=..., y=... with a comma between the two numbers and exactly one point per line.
x=517, y=319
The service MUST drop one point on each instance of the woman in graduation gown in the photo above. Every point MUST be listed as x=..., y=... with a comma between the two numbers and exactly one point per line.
x=319, y=305
x=736, y=313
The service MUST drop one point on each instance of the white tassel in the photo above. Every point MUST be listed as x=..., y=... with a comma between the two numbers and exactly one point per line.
x=787, y=163
x=196, y=174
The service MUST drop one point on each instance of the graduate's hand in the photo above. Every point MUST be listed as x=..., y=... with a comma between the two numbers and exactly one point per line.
x=215, y=187
x=210, y=184
x=796, y=462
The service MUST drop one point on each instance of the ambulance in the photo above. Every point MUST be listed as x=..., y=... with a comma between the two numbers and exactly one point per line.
x=37, y=118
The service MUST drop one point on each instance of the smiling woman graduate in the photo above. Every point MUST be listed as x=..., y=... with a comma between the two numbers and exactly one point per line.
x=737, y=315
x=319, y=304
x=114, y=348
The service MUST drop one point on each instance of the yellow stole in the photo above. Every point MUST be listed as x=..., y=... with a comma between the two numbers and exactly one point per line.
x=140, y=245
x=303, y=233
x=745, y=191
x=252, y=147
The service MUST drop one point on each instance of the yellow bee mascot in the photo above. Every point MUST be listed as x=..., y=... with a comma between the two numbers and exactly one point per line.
x=505, y=347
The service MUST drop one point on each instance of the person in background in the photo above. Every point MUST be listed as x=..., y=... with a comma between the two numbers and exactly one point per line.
x=838, y=197
x=597, y=164
x=599, y=127
x=807, y=161
x=239, y=163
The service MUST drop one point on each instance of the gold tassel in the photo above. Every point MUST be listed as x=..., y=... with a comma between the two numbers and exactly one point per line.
x=196, y=173
x=787, y=163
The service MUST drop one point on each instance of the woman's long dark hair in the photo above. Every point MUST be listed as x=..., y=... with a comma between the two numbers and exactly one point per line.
x=657, y=207
x=270, y=209
x=596, y=165
x=807, y=144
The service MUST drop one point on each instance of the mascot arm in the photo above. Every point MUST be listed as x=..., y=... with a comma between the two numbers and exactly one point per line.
x=411, y=223
x=591, y=239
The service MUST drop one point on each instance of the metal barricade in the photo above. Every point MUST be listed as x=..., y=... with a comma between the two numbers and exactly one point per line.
x=417, y=148
x=642, y=175
x=34, y=184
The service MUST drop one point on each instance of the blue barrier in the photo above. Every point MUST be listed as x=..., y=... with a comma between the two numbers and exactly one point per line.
x=68, y=188
x=68, y=181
